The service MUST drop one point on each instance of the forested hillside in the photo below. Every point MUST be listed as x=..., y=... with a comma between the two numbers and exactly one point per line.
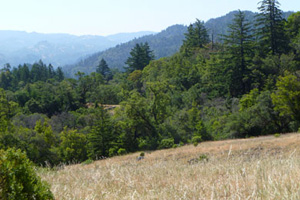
x=246, y=86
x=163, y=44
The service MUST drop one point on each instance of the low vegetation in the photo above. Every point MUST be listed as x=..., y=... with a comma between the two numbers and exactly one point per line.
x=18, y=178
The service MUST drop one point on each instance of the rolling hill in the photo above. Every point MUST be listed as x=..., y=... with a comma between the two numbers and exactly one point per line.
x=258, y=168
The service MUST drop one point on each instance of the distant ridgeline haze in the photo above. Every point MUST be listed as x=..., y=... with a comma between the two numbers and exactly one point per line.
x=18, y=47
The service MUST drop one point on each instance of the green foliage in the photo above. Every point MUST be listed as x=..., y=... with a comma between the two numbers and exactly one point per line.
x=196, y=140
x=142, y=154
x=100, y=138
x=239, y=45
x=166, y=143
x=293, y=25
x=287, y=97
x=73, y=146
x=196, y=37
x=277, y=135
x=18, y=179
x=122, y=151
x=203, y=157
x=140, y=57
x=104, y=70
x=7, y=110
x=87, y=162
x=270, y=27
x=249, y=100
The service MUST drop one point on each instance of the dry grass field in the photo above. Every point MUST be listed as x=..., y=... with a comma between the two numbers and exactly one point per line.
x=258, y=168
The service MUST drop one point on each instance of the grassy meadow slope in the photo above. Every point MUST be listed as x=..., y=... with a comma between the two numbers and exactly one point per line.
x=258, y=168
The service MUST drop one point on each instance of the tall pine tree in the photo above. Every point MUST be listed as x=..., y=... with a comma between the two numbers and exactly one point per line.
x=100, y=139
x=140, y=57
x=196, y=37
x=239, y=48
x=270, y=27
x=104, y=70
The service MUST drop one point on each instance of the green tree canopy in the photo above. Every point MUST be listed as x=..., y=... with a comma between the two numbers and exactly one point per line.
x=287, y=97
x=239, y=49
x=18, y=179
x=270, y=27
x=196, y=37
x=104, y=70
x=140, y=57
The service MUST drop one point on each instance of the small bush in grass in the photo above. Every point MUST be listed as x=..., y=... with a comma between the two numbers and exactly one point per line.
x=142, y=154
x=203, y=157
x=277, y=135
x=196, y=140
x=18, y=179
x=87, y=162
x=122, y=151
x=112, y=151
x=175, y=146
x=166, y=143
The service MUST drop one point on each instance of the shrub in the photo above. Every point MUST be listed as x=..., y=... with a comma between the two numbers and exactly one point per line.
x=18, y=179
x=203, y=157
x=112, y=151
x=196, y=140
x=166, y=143
x=87, y=162
x=142, y=154
x=277, y=135
x=122, y=151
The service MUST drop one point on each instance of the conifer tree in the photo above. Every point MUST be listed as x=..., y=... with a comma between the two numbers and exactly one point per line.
x=270, y=27
x=239, y=48
x=104, y=70
x=196, y=37
x=140, y=57
x=101, y=137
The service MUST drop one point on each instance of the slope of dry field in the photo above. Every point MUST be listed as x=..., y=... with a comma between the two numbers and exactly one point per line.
x=259, y=168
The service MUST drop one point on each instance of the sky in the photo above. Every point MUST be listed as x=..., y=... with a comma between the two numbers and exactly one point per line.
x=106, y=17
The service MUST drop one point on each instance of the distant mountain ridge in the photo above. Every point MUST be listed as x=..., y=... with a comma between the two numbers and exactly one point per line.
x=163, y=44
x=17, y=47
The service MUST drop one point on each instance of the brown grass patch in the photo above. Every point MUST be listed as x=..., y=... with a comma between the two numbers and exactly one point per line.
x=258, y=168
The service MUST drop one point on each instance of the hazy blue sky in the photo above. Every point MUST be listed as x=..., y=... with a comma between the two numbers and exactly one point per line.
x=103, y=17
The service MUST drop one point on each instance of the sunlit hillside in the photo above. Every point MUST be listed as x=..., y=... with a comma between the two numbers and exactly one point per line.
x=257, y=168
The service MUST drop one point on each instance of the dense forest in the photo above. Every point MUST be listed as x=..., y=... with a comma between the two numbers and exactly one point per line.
x=163, y=44
x=245, y=85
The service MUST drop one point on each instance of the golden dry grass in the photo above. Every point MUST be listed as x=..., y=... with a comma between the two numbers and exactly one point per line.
x=259, y=168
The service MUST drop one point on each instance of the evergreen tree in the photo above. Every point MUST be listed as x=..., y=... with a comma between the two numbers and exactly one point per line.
x=59, y=74
x=239, y=45
x=196, y=37
x=101, y=137
x=140, y=57
x=293, y=25
x=103, y=69
x=270, y=27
